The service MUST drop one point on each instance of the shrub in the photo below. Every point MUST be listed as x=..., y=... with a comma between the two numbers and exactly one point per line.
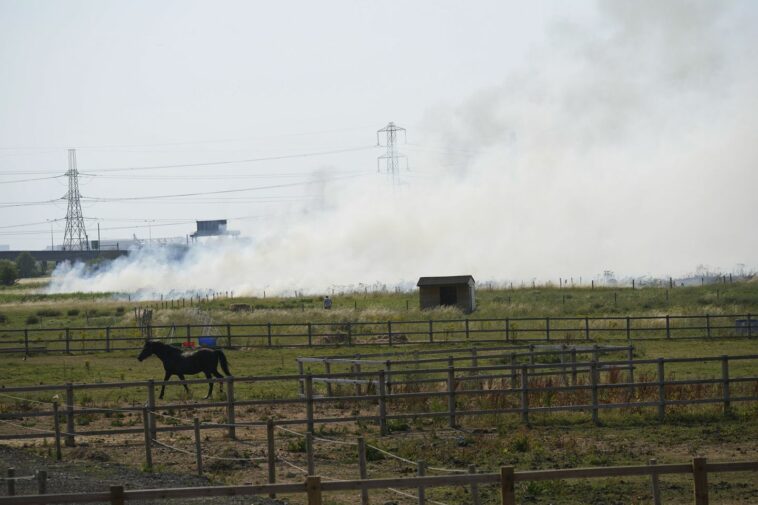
x=3, y=319
x=72, y=312
x=48, y=313
x=26, y=265
x=32, y=319
x=8, y=273
x=119, y=311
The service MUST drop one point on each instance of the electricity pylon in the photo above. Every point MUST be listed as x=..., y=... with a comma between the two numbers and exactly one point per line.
x=75, y=236
x=391, y=156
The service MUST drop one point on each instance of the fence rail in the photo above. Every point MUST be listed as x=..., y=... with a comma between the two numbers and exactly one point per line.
x=518, y=389
x=314, y=487
x=30, y=340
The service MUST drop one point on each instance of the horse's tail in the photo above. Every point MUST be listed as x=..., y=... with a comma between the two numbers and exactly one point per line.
x=224, y=363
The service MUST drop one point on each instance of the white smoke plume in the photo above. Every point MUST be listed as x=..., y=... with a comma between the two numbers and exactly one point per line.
x=627, y=144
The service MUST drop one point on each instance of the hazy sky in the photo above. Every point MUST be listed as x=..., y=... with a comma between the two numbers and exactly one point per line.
x=545, y=138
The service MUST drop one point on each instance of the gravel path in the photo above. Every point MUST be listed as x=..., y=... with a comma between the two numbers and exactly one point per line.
x=95, y=476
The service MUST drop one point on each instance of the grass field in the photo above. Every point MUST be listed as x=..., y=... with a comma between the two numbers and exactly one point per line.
x=551, y=441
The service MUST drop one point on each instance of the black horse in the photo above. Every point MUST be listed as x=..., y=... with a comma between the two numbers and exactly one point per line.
x=176, y=362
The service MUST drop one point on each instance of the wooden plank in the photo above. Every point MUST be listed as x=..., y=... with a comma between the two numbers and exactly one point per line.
x=507, y=485
x=701, y=481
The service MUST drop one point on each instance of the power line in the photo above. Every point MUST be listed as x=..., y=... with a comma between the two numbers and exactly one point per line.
x=202, y=193
x=231, y=162
x=30, y=180
x=186, y=142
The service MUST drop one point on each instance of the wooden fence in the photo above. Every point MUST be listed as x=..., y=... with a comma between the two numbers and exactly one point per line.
x=511, y=388
x=31, y=340
x=315, y=487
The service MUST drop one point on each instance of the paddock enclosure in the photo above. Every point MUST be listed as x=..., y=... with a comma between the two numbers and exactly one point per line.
x=366, y=393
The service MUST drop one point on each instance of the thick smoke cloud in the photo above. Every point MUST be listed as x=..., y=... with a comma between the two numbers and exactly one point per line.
x=627, y=143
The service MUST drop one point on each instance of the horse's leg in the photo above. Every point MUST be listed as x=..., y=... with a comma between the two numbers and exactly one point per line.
x=216, y=374
x=163, y=387
x=186, y=387
x=210, y=385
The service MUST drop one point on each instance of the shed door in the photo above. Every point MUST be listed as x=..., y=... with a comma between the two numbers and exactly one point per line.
x=448, y=295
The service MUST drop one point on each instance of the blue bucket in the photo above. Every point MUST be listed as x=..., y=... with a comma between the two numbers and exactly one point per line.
x=207, y=341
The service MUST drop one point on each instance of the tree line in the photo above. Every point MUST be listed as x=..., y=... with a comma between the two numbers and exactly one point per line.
x=25, y=266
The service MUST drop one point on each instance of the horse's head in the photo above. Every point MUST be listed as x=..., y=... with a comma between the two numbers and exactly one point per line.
x=147, y=350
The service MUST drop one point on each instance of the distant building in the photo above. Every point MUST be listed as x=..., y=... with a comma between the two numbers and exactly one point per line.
x=213, y=228
x=457, y=290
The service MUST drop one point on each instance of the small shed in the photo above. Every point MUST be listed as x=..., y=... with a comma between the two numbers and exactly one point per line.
x=457, y=290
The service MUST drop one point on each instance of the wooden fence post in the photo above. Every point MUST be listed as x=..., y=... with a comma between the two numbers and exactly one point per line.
x=328, y=372
x=451, y=395
x=350, y=334
x=382, y=403
x=586, y=328
x=668, y=326
x=300, y=381
x=661, y=391
x=362, y=470
x=26, y=342
x=474, y=487
x=431, y=331
x=357, y=370
x=655, y=487
x=466, y=328
x=630, y=370
x=41, y=476
x=420, y=472
x=309, y=402
x=564, y=367
x=310, y=334
x=507, y=481
x=271, y=454
x=725, y=383
x=524, y=395
x=514, y=373
x=198, y=449
x=151, y=409
x=268, y=333
x=507, y=329
x=628, y=328
x=593, y=381
x=230, y=417
x=108, y=339
x=708, y=325
x=700, y=475
x=310, y=457
x=313, y=490
x=57, y=428
x=574, y=377
x=68, y=341
x=11, y=481
x=148, y=443
x=117, y=495
x=547, y=329
x=228, y=336
x=70, y=442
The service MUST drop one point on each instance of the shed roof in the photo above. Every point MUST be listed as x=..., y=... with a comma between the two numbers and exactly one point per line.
x=445, y=280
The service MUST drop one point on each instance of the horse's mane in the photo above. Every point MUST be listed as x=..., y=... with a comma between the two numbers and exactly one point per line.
x=164, y=347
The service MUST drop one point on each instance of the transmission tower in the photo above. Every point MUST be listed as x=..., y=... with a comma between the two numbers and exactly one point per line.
x=391, y=157
x=75, y=236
